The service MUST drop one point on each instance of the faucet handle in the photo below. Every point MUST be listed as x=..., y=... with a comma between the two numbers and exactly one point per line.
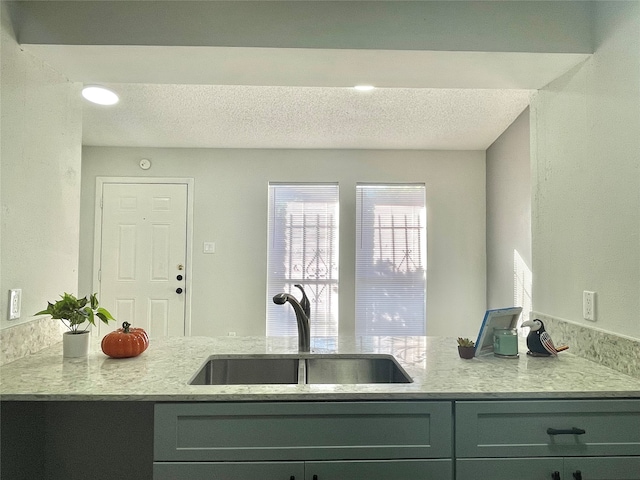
x=304, y=303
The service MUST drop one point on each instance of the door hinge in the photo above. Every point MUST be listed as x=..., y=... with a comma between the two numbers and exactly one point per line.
x=99, y=275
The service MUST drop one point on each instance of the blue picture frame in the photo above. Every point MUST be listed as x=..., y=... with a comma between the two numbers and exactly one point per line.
x=505, y=318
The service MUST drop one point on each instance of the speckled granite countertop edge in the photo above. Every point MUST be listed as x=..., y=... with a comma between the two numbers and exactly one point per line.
x=161, y=374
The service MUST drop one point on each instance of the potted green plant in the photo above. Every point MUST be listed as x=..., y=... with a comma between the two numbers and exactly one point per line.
x=77, y=314
x=466, y=348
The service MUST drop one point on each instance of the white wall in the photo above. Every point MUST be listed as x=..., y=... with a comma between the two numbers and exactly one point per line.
x=586, y=159
x=509, y=215
x=229, y=287
x=40, y=189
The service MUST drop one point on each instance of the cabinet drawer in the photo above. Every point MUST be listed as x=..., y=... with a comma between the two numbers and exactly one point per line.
x=520, y=429
x=302, y=431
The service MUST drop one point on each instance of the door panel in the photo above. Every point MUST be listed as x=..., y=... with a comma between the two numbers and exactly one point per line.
x=600, y=468
x=379, y=470
x=143, y=250
x=228, y=471
x=508, y=468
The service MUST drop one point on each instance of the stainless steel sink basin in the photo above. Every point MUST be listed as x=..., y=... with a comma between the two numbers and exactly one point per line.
x=247, y=370
x=299, y=369
x=354, y=369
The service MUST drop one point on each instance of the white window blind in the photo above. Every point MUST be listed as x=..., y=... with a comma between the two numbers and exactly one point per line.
x=391, y=255
x=303, y=249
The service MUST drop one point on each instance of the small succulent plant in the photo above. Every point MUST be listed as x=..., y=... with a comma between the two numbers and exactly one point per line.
x=465, y=342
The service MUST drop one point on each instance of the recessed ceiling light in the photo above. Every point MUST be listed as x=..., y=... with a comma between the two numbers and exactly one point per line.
x=100, y=95
x=364, y=88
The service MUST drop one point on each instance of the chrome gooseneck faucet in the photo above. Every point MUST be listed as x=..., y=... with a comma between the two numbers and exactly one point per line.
x=303, y=312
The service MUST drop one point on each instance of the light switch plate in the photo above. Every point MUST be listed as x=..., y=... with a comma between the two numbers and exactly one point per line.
x=209, y=247
x=15, y=303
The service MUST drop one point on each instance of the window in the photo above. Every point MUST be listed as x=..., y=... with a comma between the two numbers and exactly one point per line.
x=390, y=260
x=303, y=249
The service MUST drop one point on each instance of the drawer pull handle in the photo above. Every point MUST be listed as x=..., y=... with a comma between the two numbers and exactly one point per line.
x=292, y=477
x=577, y=475
x=315, y=477
x=555, y=476
x=570, y=431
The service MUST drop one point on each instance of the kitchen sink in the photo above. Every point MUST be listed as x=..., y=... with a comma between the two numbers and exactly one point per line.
x=300, y=369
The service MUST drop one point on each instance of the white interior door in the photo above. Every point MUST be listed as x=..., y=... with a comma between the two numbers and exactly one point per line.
x=143, y=256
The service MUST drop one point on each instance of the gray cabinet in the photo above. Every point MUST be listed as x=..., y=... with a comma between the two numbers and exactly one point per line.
x=585, y=439
x=310, y=440
x=408, y=440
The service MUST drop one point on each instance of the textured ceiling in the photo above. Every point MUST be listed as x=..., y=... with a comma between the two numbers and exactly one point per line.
x=302, y=117
x=301, y=98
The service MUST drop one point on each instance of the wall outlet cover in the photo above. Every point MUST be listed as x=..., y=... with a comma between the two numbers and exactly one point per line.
x=15, y=303
x=589, y=305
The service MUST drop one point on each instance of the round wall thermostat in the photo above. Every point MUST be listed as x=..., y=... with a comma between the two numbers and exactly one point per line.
x=145, y=164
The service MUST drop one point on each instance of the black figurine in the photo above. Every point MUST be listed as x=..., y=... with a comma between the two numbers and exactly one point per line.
x=539, y=341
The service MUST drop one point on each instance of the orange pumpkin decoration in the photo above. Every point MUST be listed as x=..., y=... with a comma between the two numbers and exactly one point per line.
x=125, y=342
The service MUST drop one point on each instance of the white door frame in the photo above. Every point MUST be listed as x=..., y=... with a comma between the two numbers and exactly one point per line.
x=97, y=235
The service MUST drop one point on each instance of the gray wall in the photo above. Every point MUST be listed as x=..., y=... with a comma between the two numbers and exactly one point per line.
x=586, y=180
x=509, y=217
x=229, y=287
x=40, y=189
x=543, y=26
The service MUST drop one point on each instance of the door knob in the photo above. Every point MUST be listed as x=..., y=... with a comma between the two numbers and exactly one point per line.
x=179, y=277
x=178, y=290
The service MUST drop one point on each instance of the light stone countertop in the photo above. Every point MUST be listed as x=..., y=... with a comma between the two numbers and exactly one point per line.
x=162, y=372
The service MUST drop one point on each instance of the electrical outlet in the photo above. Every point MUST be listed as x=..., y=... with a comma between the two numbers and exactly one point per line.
x=589, y=305
x=232, y=334
x=15, y=303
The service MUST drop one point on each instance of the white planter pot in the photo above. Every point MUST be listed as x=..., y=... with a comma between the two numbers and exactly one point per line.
x=75, y=345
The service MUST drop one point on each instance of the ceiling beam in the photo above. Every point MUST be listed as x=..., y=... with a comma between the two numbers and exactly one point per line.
x=489, y=26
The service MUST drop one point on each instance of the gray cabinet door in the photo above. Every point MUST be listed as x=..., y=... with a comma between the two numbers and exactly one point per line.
x=598, y=468
x=380, y=470
x=569, y=468
x=228, y=471
x=509, y=468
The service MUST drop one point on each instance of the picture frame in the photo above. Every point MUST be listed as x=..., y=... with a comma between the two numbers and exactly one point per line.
x=505, y=318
